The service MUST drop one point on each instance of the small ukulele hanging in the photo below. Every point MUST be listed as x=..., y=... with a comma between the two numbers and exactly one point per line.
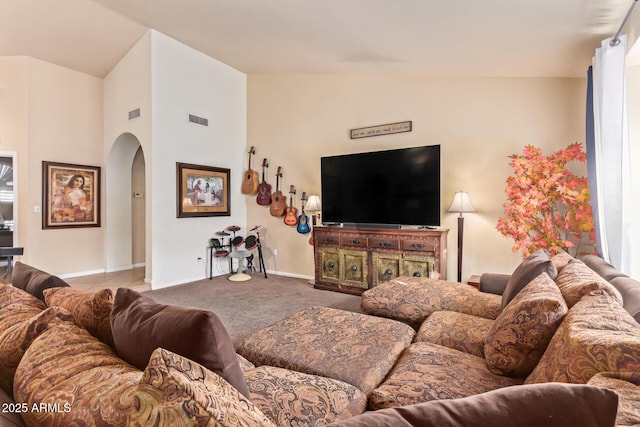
x=291, y=217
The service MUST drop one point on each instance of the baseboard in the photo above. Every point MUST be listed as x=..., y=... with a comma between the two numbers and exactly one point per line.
x=282, y=273
x=82, y=273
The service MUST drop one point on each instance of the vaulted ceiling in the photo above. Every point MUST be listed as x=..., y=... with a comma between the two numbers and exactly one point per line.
x=493, y=38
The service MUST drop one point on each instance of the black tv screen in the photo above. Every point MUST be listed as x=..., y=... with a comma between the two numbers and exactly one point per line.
x=392, y=187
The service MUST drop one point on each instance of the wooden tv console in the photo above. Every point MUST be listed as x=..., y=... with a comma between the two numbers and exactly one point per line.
x=352, y=260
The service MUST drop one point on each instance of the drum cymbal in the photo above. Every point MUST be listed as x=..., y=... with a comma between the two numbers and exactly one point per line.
x=233, y=228
x=222, y=233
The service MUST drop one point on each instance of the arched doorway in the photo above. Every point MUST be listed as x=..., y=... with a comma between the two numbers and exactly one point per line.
x=126, y=206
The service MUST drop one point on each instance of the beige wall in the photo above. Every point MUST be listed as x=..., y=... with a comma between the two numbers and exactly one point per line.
x=293, y=120
x=53, y=114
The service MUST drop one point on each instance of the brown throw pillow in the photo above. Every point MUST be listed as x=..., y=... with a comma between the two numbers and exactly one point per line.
x=140, y=325
x=520, y=334
x=548, y=405
x=528, y=270
x=34, y=281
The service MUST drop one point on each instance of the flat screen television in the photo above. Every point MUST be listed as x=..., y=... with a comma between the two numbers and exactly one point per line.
x=382, y=188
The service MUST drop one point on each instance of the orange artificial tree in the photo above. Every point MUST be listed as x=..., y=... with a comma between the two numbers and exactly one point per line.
x=548, y=206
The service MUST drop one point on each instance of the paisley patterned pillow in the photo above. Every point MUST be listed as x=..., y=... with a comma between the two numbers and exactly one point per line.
x=80, y=377
x=561, y=260
x=174, y=391
x=15, y=340
x=576, y=280
x=91, y=310
x=520, y=334
x=627, y=387
x=12, y=296
x=597, y=335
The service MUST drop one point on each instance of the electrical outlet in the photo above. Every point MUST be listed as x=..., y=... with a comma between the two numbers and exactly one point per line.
x=275, y=252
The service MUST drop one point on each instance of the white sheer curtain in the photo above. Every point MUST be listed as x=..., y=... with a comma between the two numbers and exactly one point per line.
x=608, y=155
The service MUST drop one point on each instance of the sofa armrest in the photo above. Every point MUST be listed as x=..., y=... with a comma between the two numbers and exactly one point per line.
x=494, y=283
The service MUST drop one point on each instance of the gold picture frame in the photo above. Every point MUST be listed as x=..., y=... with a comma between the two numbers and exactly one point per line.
x=202, y=191
x=71, y=195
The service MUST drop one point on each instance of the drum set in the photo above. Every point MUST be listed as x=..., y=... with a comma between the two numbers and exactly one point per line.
x=239, y=248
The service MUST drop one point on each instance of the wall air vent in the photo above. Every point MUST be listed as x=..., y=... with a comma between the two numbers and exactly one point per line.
x=198, y=120
x=134, y=114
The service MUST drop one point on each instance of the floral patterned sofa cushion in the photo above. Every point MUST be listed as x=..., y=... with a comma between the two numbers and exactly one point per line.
x=349, y=347
x=92, y=310
x=175, y=391
x=15, y=340
x=17, y=301
x=77, y=377
x=459, y=331
x=413, y=299
x=627, y=387
x=596, y=335
x=17, y=310
x=521, y=333
x=292, y=398
x=428, y=371
x=561, y=259
x=576, y=280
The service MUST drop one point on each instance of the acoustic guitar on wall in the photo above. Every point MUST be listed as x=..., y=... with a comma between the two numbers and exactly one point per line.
x=303, y=219
x=250, y=181
x=264, y=189
x=278, y=201
x=291, y=217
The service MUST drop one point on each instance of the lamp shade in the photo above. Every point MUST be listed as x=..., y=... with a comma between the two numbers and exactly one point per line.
x=461, y=203
x=313, y=204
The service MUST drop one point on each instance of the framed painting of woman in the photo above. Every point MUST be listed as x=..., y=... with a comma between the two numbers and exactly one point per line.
x=71, y=195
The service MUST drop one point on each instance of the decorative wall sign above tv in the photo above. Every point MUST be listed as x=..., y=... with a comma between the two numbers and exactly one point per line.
x=381, y=130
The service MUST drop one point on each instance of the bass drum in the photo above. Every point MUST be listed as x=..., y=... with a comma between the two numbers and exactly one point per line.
x=251, y=242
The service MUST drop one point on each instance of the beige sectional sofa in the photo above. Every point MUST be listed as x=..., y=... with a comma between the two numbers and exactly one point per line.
x=558, y=351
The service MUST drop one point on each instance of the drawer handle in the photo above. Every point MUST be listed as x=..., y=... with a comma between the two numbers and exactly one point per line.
x=417, y=245
x=354, y=270
x=417, y=274
x=385, y=244
x=387, y=274
x=331, y=266
x=354, y=242
x=328, y=240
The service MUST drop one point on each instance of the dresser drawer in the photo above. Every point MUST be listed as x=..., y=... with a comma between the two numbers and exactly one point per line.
x=419, y=245
x=383, y=243
x=353, y=240
x=327, y=239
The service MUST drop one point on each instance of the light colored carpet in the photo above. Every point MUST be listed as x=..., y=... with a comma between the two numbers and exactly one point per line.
x=245, y=307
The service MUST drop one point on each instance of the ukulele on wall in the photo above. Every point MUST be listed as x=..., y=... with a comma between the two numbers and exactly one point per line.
x=250, y=182
x=264, y=189
x=303, y=219
x=290, y=218
x=278, y=201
